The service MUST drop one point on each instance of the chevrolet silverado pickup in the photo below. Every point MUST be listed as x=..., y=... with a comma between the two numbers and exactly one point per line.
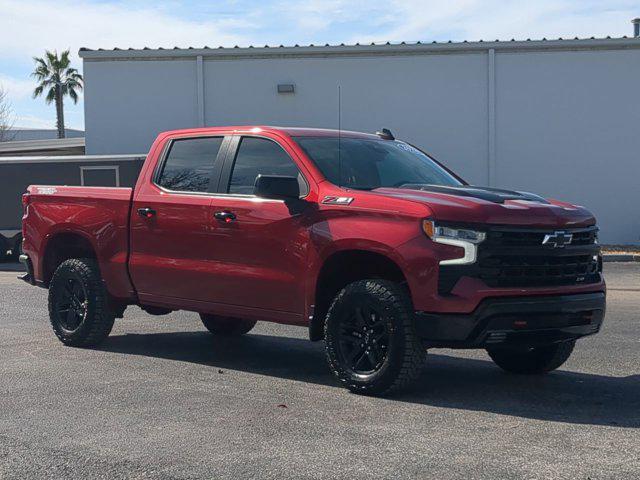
x=374, y=246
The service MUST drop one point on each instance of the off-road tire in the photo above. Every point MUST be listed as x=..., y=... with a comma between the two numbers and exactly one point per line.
x=98, y=319
x=230, y=326
x=405, y=353
x=531, y=361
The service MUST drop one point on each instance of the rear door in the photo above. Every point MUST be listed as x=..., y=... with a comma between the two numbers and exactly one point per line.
x=261, y=244
x=171, y=222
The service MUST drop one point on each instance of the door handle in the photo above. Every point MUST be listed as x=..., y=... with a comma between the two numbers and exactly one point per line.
x=226, y=217
x=146, y=212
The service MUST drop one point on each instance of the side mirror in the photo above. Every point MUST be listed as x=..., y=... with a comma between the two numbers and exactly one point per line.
x=276, y=186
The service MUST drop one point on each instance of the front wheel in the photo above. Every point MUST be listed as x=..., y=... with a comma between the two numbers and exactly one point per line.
x=219, y=325
x=532, y=360
x=370, y=341
x=78, y=304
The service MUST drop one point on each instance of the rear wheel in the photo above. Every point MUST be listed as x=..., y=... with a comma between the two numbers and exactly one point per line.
x=531, y=360
x=370, y=341
x=78, y=304
x=226, y=325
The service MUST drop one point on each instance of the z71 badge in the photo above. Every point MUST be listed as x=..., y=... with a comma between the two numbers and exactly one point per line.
x=330, y=200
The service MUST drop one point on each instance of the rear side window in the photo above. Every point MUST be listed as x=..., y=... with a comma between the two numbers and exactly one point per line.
x=189, y=164
x=259, y=156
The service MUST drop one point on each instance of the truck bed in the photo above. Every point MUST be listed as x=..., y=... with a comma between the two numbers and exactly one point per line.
x=100, y=215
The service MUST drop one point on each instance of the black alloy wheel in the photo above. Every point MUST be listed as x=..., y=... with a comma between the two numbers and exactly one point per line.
x=71, y=304
x=79, y=306
x=370, y=338
x=363, y=339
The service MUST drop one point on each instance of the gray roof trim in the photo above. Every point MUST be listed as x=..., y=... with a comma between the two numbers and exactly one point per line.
x=35, y=129
x=73, y=159
x=47, y=144
x=358, y=49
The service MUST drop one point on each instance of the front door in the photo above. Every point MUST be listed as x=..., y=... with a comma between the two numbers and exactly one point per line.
x=171, y=223
x=261, y=244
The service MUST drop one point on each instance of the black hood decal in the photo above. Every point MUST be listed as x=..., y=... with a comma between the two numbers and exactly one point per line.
x=495, y=195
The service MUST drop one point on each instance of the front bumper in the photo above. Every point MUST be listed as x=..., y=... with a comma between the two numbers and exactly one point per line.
x=535, y=320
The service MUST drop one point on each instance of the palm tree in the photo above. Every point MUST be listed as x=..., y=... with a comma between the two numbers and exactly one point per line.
x=56, y=76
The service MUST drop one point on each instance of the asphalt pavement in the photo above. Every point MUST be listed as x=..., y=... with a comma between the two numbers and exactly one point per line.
x=163, y=398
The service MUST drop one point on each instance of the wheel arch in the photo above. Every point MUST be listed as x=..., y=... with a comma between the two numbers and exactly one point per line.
x=343, y=267
x=62, y=246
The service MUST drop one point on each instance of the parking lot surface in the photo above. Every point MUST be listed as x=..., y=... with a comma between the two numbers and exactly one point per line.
x=163, y=398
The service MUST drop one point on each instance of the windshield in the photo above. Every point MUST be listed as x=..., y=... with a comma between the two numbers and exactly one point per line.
x=371, y=163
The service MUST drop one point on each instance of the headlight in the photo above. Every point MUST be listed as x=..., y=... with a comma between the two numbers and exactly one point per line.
x=458, y=237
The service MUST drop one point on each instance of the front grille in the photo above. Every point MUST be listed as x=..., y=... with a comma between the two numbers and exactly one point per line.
x=498, y=270
x=511, y=257
x=503, y=237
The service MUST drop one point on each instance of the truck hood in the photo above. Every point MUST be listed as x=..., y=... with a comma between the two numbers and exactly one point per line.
x=472, y=204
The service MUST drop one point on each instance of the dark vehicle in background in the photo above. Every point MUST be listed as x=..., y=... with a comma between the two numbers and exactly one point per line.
x=368, y=242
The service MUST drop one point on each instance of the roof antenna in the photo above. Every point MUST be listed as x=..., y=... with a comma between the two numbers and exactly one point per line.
x=339, y=136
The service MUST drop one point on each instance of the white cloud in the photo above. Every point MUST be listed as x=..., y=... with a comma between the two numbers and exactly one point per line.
x=313, y=16
x=457, y=20
x=497, y=19
x=28, y=28
x=16, y=88
x=33, y=121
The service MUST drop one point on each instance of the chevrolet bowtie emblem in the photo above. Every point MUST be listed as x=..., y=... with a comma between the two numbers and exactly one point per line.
x=557, y=239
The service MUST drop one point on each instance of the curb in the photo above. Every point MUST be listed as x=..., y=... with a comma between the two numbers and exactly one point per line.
x=621, y=257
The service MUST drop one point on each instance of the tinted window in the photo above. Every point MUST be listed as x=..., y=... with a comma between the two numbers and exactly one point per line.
x=189, y=164
x=259, y=156
x=371, y=163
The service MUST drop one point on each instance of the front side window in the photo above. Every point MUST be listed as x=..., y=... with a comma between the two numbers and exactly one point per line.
x=363, y=163
x=259, y=156
x=189, y=164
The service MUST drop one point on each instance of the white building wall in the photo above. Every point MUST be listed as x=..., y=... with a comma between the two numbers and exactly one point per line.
x=438, y=102
x=128, y=102
x=568, y=127
x=563, y=123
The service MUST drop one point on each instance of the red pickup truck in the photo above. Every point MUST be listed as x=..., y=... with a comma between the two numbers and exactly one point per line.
x=378, y=249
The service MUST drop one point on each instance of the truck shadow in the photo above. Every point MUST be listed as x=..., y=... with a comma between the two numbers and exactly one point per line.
x=448, y=382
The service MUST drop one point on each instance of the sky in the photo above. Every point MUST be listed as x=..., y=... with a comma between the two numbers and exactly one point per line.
x=28, y=28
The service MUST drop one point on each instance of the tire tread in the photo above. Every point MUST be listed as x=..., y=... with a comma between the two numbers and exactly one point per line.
x=219, y=325
x=393, y=295
x=98, y=328
x=541, y=360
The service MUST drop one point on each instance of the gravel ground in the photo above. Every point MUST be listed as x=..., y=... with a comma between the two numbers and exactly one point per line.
x=162, y=398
